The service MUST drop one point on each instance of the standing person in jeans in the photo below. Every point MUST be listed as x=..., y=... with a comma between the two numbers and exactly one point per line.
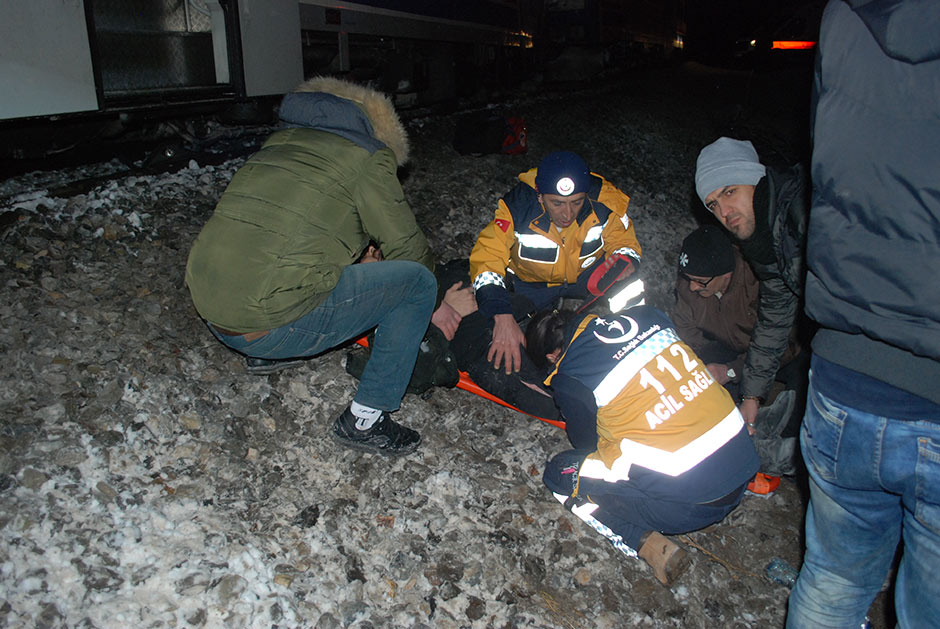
x=273, y=271
x=871, y=434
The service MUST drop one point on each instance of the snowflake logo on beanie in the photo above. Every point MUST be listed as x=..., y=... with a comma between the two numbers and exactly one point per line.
x=565, y=186
x=684, y=260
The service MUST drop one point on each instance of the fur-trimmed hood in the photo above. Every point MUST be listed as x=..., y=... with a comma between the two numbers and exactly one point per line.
x=386, y=125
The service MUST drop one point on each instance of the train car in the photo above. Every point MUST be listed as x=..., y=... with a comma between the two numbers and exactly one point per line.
x=421, y=51
x=78, y=69
x=68, y=56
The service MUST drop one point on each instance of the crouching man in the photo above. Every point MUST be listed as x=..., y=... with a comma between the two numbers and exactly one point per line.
x=717, y=301
x=659, y=446
x=273, y=271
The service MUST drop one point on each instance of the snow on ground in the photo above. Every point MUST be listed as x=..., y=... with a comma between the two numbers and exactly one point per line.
x=146, y=480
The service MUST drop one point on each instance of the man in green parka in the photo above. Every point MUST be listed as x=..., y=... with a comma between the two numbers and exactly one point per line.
x=273, y=271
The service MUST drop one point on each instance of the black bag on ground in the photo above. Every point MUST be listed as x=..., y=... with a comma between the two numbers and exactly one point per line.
x=489, y=131
x=434, y=367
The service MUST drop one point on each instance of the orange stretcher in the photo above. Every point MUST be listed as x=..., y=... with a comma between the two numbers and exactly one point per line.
x=761, y=485
x=467, y=384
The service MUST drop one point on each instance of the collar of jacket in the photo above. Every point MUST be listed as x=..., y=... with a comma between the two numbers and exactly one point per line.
x=759, y=247
x=544, y=222
x=335, y=115
x=385, y=123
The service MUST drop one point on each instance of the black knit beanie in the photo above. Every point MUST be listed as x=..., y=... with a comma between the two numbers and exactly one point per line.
x=706, y=252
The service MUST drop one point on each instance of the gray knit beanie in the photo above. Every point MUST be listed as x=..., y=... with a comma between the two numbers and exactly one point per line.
x=726, y=162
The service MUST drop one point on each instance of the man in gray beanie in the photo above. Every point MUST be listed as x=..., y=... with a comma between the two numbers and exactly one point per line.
x=764, y=211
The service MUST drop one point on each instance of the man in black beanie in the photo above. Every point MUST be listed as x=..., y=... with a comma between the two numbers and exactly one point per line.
x=716, y=304
x=717, y=299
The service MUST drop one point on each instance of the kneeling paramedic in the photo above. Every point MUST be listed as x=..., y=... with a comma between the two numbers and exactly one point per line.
x=551, y=232
x=659, y=445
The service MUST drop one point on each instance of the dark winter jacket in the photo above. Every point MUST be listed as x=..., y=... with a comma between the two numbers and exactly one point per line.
x=873, y=253
x=780, y=206
x=305, y=207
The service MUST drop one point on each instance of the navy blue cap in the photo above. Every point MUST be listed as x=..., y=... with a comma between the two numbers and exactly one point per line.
x=564, y=173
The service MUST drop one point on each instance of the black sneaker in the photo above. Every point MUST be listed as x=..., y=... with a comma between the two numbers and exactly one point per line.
x=384, y=437
x=263, y=366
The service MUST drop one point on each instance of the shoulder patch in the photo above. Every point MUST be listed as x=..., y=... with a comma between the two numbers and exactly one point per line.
x=503, y=224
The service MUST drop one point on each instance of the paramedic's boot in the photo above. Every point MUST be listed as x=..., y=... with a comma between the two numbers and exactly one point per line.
x=667, y=560
x=264, y=366
x=385, y=436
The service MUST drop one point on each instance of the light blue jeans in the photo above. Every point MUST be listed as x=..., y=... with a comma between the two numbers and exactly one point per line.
x=873, y=482
x=396, y=297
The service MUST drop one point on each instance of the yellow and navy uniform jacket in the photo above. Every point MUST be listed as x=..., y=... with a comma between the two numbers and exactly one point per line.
x=654, y=403
x=522, y=240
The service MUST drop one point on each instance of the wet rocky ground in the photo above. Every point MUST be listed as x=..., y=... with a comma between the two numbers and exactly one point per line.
x=146, y=480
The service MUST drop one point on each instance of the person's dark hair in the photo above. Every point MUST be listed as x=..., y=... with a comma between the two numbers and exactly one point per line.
x=546, y=333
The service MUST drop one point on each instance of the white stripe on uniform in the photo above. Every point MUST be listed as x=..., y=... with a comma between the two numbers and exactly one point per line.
x=621, y=375
x=663, y=461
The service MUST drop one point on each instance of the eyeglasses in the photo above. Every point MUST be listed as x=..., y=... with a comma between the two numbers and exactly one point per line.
x=703, y=284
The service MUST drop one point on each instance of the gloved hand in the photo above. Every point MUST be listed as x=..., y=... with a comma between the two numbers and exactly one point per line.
x=615, y=268
x=614, y=271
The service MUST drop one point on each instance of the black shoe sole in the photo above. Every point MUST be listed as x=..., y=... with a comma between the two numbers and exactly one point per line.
x=266, y=370
x=365, y=447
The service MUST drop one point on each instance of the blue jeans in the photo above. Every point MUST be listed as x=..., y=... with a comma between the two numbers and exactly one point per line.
x=397, y=296
x=873, y=481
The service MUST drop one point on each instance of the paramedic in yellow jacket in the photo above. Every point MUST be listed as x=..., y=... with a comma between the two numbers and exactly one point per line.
x=551, y=231
x=660, y=446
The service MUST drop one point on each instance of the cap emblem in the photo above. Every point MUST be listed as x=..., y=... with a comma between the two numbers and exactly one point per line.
x=565, y=186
